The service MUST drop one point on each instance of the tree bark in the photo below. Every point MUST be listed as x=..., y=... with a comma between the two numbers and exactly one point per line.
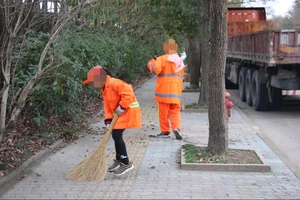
x=205, y=52
x=12, y=30
x=194, y=61
x=218, y=133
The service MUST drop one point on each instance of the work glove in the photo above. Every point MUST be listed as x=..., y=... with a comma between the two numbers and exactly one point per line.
x=150, y=63
x=119, y=110
x=107, y=123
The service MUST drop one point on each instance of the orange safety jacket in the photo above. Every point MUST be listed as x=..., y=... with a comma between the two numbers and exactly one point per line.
x=169, y=80
x=117, y=92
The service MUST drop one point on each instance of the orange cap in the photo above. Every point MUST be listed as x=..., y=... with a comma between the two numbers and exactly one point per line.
x=92, y=73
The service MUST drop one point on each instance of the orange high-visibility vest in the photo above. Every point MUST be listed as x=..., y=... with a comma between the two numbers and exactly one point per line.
x=169, y=82
x=117, y=92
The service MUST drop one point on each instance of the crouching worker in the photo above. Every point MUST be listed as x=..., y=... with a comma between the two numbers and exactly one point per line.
x=118, y=98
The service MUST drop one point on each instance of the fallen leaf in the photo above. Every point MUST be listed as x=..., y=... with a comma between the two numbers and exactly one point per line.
x=153, y=167
x=11, y=165
x=152, y=136
x=19, y=151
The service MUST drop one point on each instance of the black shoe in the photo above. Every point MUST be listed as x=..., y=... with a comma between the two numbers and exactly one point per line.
x=165, y=135
x=177, y=134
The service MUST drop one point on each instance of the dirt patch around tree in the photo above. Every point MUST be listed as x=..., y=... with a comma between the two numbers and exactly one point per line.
x=196, y=154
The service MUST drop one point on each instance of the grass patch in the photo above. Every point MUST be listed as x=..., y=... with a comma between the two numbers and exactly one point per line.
x=191, y=153
x=194, y=106
x=191, y=87
x=195, y=154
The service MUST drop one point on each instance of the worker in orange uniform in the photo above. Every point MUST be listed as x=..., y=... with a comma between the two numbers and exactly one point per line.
x=118, y=98
x=169, y=69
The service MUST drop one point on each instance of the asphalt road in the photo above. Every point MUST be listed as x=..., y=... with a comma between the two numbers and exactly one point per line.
x=279, y=129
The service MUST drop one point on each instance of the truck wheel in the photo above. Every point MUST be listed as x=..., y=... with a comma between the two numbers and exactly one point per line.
x=276, y=95
x=248, y=83
x=230, y=85
x=259, y=93
x=242, y=77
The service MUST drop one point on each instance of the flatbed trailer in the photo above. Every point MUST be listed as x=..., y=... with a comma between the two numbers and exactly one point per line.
x=262, y=61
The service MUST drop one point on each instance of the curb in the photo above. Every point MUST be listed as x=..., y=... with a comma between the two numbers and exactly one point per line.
x=28, y=163
x=142, y=82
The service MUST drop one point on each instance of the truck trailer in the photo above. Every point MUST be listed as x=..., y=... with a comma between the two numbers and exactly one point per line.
x=262, y=62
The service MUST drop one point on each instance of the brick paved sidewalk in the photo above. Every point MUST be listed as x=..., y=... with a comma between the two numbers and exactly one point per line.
x=157, y=173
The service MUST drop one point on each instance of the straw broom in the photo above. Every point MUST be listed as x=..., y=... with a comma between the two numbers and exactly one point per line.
x=94, y=167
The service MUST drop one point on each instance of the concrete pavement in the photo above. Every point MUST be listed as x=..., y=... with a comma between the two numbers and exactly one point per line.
x=157, y=173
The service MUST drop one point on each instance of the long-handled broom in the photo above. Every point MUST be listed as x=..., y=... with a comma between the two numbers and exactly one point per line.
x=93, y=168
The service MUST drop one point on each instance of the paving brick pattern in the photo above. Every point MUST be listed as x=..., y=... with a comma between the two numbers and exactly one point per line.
x=168, y=181
x=157, y=173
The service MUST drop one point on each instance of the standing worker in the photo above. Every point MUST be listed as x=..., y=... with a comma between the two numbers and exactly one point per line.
x=118, y=98
x=169, y=69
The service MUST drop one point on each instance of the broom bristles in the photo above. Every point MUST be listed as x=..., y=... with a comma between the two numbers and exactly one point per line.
x=92, y=168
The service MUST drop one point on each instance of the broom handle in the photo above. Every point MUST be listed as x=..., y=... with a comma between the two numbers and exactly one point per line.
x=113, y=122
x=109, y=131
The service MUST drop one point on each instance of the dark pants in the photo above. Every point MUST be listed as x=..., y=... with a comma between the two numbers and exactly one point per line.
x=121, y=153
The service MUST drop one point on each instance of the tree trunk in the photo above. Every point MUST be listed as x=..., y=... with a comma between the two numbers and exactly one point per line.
x=218, y=133
x=6, y=76
x=3, y=112
x=205, y=52
x=46, y=23
x=194, y=61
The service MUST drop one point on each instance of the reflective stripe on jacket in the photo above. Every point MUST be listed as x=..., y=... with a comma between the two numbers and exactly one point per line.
x=117, y=92
x=169, y=82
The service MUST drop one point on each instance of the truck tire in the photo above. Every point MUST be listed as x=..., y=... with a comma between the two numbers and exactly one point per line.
x=242, y=77
x=276, y=95
x=248, y=83
x=230, y=85
x=259, y=93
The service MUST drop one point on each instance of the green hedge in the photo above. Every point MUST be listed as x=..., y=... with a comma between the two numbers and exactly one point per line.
x=60, y=91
